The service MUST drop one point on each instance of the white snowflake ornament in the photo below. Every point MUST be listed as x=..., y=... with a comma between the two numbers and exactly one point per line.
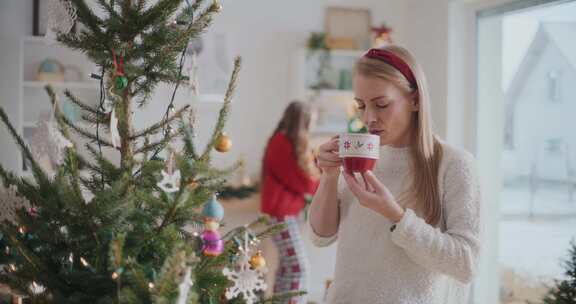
x=61, y=18
x=246, y=279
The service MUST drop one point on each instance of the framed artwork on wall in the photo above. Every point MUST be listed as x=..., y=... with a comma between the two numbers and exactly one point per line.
x=348, y=28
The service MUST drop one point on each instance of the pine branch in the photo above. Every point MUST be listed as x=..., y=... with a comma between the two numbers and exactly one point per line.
x=87, y=17
x=31, y=260
x=108, y=8
x=271, y=231
x=93, y=184
x=160, y=66
x=194, y=29
x=88, y=44
x=73, y=174
x=85, y=133
x=107, y=167
x=160, y=125
x=188, y=135
x=8, y=178
x=225, y=108
x=71, y=164
x=158, y=145
x=25, y=188
x=89, y=135
x=107, y=171
x=197, y=4
x=39, y=174
x=141, y=4
x=216, y=173
x=172, y=272
x=93, y=121
x=83, y=106
x=160, y=12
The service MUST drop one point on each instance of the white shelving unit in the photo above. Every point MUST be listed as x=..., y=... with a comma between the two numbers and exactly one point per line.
x=33, y=98
x=332, y=101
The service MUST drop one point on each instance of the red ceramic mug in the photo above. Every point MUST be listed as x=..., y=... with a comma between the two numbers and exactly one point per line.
x=359, y=151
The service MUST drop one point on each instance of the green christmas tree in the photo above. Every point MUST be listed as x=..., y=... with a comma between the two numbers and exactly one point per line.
x=564, y=291
x=122, y=235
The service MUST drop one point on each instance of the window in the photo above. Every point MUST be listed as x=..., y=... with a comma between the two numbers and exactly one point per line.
x=554, y=146
x=554, y=86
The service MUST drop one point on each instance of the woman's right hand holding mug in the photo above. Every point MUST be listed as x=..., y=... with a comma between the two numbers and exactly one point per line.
x=329, y=160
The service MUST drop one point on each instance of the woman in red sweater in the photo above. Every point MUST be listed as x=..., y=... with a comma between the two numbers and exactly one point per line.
x=288, y=176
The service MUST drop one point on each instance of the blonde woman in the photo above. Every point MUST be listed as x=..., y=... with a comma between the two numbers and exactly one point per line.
x=411, y=236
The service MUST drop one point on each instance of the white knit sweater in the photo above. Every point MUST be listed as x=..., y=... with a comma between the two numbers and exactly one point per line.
x=416, y=263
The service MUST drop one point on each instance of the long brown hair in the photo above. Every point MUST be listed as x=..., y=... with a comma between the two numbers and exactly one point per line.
x=425, y=149
x=295, y=124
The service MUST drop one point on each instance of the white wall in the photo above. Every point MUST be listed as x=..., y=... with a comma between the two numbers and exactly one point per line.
x=14, y=15
x=422, y=27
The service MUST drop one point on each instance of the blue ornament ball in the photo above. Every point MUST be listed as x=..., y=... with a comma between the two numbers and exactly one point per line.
x=213, y=209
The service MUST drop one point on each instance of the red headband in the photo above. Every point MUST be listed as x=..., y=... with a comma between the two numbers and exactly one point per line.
x=395, y=61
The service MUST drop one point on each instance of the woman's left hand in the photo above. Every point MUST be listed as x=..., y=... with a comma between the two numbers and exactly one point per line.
x=377, y=197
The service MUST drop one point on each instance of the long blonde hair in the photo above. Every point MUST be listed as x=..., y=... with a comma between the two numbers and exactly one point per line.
x=425, y=149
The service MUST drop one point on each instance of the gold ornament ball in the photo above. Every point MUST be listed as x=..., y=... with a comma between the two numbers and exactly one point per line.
x=257, y=260
x=224, y=144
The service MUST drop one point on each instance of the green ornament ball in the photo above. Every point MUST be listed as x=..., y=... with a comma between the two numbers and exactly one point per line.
x=121, y=82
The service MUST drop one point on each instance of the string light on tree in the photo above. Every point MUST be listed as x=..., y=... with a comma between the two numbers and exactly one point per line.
x=84, y=263
x=36, y=288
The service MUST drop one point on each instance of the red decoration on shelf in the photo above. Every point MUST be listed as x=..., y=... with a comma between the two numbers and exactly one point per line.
x=382, y=36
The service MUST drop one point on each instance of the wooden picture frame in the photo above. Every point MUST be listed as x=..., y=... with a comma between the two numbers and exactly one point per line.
x=348, y=28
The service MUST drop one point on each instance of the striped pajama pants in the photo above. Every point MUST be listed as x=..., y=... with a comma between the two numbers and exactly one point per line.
x=292, y=270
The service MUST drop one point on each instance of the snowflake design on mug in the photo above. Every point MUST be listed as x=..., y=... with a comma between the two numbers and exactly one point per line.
x=347, y=145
